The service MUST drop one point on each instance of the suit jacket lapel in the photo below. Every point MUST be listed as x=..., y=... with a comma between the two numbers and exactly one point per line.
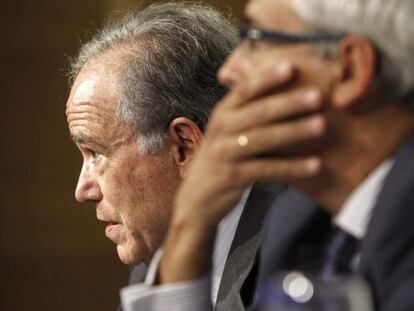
x=243, y=251
x=294, y=224
x=137, y=274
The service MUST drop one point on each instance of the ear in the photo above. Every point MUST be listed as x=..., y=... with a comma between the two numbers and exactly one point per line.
x=356, y=74
x=186, y=138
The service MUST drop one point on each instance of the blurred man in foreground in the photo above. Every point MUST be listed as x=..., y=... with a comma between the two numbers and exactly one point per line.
x=360, y=174
x=142, y=92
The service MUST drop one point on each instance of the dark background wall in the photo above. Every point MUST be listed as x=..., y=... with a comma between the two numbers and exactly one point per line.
x=53, y=253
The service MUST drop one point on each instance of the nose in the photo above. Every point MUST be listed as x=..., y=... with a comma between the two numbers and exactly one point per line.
x=88, y=189
x=234, y=69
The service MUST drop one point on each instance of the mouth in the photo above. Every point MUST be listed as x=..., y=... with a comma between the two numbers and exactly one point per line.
x=111, y=229
x=111, y=226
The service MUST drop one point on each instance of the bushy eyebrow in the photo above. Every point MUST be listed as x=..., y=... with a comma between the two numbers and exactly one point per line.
x=82, y=139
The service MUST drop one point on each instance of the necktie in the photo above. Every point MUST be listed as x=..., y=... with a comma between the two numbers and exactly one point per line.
x=340, y=252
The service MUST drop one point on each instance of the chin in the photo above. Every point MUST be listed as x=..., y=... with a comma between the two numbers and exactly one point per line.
x=131, y=256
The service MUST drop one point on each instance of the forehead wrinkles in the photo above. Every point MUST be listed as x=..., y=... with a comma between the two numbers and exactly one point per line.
x=89, y=113
x=93, y=103
x=92, y=121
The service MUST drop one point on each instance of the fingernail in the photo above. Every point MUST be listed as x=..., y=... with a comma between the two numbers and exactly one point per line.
x=313, y=165
x=312, y=98
x=317, y=125
x=284, y=69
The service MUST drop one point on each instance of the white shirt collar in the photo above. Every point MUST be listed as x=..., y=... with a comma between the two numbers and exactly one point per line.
x=356, y=212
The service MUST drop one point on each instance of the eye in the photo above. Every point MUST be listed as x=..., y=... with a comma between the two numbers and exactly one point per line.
x=94, y=154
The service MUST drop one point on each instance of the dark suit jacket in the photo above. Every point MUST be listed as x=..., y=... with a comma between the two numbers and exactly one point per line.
x=296, y=226
x=239, y=276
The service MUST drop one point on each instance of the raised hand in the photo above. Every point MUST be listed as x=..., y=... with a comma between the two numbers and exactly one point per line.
x=254, y=134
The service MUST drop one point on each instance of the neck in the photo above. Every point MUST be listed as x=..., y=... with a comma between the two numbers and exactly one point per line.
x=360, y=144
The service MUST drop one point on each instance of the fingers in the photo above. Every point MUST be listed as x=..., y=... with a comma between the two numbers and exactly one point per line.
x=260, y=111
x=262, y=82
x=281, y=169
x=280, y=137
x=272, y=108
x=271, y=138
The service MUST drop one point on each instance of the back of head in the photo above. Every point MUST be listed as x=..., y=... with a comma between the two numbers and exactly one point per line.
x=387, y=23
x=170, y=55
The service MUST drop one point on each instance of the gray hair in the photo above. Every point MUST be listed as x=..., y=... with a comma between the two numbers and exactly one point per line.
x=387, y=23
x=173, y=52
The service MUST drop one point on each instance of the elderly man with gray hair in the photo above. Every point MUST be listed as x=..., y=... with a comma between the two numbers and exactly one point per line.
x=353, y=214
x=142, y=92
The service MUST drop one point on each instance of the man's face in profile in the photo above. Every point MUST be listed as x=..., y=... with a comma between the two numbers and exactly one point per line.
x=132, y=192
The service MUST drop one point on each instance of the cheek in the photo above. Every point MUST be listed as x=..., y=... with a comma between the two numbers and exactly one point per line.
x=143, y=198
x=310, y=75
x=140, y=194
x=146, y=215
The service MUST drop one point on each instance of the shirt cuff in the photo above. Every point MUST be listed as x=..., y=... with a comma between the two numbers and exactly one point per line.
x=182, y=296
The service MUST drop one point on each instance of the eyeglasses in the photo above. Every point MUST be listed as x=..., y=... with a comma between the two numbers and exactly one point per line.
x=250, y=36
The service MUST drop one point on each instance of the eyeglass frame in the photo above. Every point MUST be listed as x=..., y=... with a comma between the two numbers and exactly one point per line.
x=285, y=37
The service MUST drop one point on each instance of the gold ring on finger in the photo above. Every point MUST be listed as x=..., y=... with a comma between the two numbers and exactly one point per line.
x=243, y=141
